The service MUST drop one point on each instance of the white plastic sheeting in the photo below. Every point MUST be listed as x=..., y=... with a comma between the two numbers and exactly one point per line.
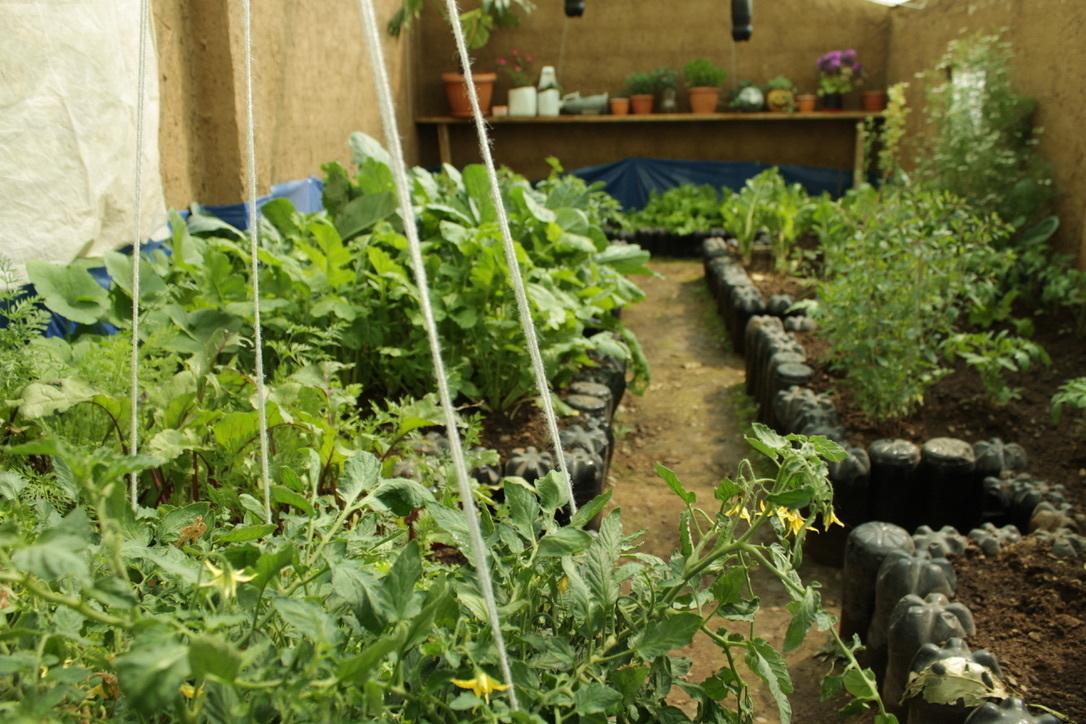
x=68, y=90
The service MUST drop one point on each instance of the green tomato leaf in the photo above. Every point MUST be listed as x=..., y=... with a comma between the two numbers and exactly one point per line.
x=596, y=698
x=564, y=542
x=767, y=663
x=152, y=671
x=662, y=637
x=212, y=656
x=672, y=481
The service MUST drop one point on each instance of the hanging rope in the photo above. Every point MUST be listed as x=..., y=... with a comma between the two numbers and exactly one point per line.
x=523, y=307
x=254, y=251
x=407, y=213
x=137, y=242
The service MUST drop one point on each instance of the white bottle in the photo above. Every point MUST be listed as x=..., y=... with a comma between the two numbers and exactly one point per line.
x=550, y=94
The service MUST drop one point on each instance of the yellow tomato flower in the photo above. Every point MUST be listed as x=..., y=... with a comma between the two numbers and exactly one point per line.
x=738, y=511
x=792, y=520
x=226, y=580
x=831, y=520
x=563, y=584
x=482, y=685
x=188, y=691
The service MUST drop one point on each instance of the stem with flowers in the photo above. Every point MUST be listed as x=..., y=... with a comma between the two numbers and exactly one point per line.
x=517, y=67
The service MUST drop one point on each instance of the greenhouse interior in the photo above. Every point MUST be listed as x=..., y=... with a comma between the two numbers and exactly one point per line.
x=543, y=361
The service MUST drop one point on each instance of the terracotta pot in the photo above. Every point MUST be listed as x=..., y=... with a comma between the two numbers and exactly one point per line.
x=641, y=105
x=874, y=100
x=620, y=106
x=456, y=90
x=805, y=102
x=703, y=99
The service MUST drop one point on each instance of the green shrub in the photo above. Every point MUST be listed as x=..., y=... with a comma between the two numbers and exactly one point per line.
x=994, y=355
x=640, y=84
x=902, y=270
x=703, y=73
x=1071, y=397
x=684, y=209
x=983, y=146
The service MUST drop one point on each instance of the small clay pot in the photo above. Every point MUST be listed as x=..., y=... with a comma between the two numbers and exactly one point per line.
x=703, y=99
x=806, y=102
x=620, y=106
x=873, y=100
x=641, y=105
x=456, y=91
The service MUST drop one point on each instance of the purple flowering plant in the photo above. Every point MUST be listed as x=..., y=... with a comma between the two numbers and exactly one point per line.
x=839, y=72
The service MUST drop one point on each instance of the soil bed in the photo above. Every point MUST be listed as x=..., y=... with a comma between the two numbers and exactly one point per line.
x=956, y=405
x=1030, y=611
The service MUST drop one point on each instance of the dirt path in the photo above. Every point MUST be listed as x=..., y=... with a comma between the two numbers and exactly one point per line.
x=692, y=419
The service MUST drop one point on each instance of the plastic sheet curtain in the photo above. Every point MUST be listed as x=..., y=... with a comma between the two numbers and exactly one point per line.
x=67, y=130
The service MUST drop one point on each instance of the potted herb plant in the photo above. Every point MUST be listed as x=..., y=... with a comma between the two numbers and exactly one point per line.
x=620, y=105
x=478, y=25
x=667, y=83
x=641, y=87
x=747, y=97
x=839, y=72
x=522, y=94
x=704, y=79
x=780, y=95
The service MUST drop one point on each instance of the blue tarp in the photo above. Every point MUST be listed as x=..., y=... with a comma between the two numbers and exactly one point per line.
x=632, y=180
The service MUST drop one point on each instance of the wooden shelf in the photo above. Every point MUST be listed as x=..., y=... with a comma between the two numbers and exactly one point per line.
x=658, y=118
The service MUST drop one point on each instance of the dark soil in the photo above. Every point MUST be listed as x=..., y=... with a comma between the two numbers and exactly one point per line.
x=1030, y=611
x=956, y=407
x=771, y=283
x=524, y=427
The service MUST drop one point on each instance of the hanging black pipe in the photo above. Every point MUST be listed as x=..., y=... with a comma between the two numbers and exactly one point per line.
x=741, y=20
x=574, y=8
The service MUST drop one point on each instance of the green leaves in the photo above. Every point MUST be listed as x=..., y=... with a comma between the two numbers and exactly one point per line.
x=662, y=637
x=672, y=481
x=69, y=290
x=152, y=671
x=564, y=542
x=770, y=667
x=54, y=556
x=210, y=656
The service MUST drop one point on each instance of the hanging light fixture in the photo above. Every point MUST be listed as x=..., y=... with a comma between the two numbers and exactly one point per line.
x=574, y=8
x=741, y=20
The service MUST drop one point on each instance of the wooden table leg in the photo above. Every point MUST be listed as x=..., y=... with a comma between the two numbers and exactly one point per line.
x=444, y=145
x=858, y=161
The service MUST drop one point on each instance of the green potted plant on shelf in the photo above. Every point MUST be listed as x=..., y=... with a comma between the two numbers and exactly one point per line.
x=839, y=73
x=747, y=97
x=780, y=95
x=667, y=84
x=641, y=87
x=704, y=79
x=478, y=25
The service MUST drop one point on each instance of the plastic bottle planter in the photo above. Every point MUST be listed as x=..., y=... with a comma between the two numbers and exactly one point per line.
x=946, y=542
x=952, y=489
x=610, y=372
x=595, y=389
x=991, y=539
x=1049, y=517
x=1008, y=711
x=1064, y=543
x=746, y=302
x=802, y=411
x=901, y=575
x=785, y=377
x=529, y=463
x=947, y=681
x=867, y=547
x=581, y=437
x=850, y=484
x=1024, y=494
x=713, y=248
x=756, y=337
x=800, y=324
x=779, y=305
x=894, y=494
x=917, y=621
x=995, y=457
x=586, y=473
x=590, y=407
x=766, y=385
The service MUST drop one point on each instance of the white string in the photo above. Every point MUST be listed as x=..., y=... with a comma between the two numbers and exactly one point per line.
x=523, y=308
x=407, y=213
x=137, y=241
x=254, y=251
